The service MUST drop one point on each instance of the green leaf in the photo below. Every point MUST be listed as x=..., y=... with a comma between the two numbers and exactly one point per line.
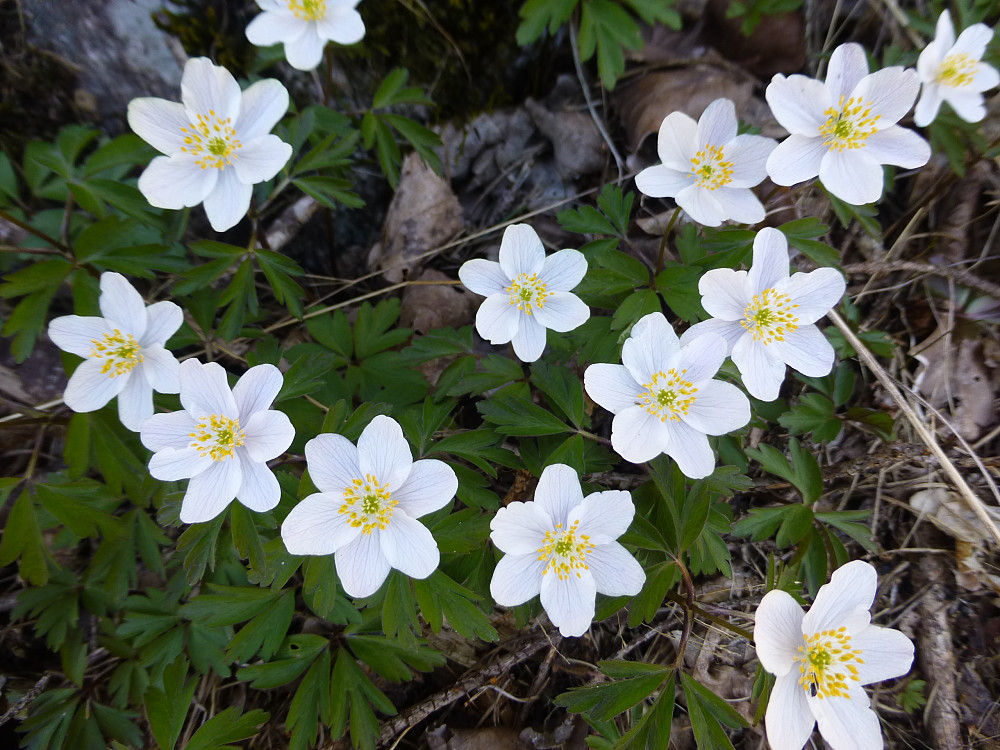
x=708, y=712
x=653, y=729
x=803, y=471
x=227, y=727
x=198, y=541
x=265, y=632
x=439, y=596
x=22, y=538
x=329, y=191
x=311, y=703
x=636, y=305
x=813, y=413
x=295, y=655
x=515, y=415
x=563, y=387
x=604, y=702
x=536, y=15
x=167, y=708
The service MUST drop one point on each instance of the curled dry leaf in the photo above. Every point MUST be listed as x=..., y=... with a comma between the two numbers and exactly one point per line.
x=957, y=375
x=578, y=146
x=429, y=306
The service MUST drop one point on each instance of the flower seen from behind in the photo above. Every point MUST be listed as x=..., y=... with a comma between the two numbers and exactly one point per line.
x=217, y=142
x=664, y=399
x=561, y=545
x=221, y=440
x=950, y=70
x=526, y=292
x=305, y=26
x=707, y=168
x=821, y=660
x=845, y=129
x=365, y=512
x=123, y=352
x=766, y=316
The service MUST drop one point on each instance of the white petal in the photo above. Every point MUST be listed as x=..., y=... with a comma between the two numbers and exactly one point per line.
x=317, y=527
x=332, y=461
x=611, y=386
x=89, y=389
x=928, y=105
x=342, y=25
x=749, y=153
x=268, y=435
x=563, y=311
x=848, y=723
x=985, y=78
x=430, y=485
x=890, y=92
x=615, y=571
x=558, y=492
x=529, y=340
x=176, y=182
x=409, y=546
x=121, y=305
x=76, y=334
x=135, y=401
x=205, y=389
x=482, y=276
x=210, y=492
x=944, y=33
x=796, y=159
x=638, y=436
x=160, y=369
x=172, y=430
x=972, y=41
x=361, y=566
x=516, y=579
x=520, y=528
x=261, y=107
x=844, y=601
x=652, y=347
x=273, y=27
x=569, y=602
x=497, y=319
x=740, y=205
x=384, y=452
x=968, y=106
x=259, y=489
x=814, y=293
x=777, y=632
x=603, y=516
x=162, y=321
x=229, y=200
x=677, y=142
x=729, y=331
x=718, y=408
x=701, y=205
x=848, y=66
x=929, y=60
x=717, y=124
x=690, y=449
x=702, y=357
x=789, y=720
x=724, y=293
x=261, y=159
x=662, y=182
x=521, y=251
x=256, y=389
x=306, y=51
x=805, y=349
x=170, y=464
x=563, y=270
x=886, y=653
x=206, y=88
x=798, y=103
x=762, y=373
x=853, y=176
x=158, y=122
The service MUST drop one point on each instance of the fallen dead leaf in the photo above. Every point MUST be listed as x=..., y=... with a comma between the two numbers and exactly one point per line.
x=777, y=44
x=578, y=146
x=957, y=375
x=429, y=306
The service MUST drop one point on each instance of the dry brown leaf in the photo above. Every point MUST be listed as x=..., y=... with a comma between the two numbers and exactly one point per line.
x=576, y=141
x=429, y=306
x=957, y=371
x=777, y=44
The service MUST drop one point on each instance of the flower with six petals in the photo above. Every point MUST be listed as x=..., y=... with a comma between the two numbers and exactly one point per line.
x=305, y=26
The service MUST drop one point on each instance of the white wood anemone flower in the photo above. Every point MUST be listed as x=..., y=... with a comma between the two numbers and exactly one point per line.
x=366, y=511
x=664, y=398
x=123, y=352
x=305, y=26
x=845, y=129
x=561, y=546
x=707, y=168
x=222, y=440
x=766, y=316
x=217, y=142
x=526, y=292
x=950, y=70
x=821, y=660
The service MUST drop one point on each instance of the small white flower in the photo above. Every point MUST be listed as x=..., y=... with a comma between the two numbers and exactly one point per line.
x=822, y=659
x=950, y=70
x=845, y=129
x=562, y=545
x=123, y=352
x=664, y=399
x=305, y=26
x=707, y=168
x=526, y=292
x=365, y=512
x=222, y=440
x=217, y=142
x=767, y=316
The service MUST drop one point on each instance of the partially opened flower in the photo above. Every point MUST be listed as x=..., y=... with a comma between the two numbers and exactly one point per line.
x=365, y=512
x=707, y=168
x=767, y=316
x=562, y=546
x=821, y=660
x=305, y=26
x=526, y=292
x=845, y=129
x=664, y=399
x=217, y=142
x=950, y=70
x=221, y=441
x=123, y=352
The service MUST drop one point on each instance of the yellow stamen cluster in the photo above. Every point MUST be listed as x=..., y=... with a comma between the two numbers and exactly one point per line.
x=368, y=504
x=526, y=291
x=308, y=10
x=769, y=316
x=848, y=125
x=956, y=71
x=217, y=436
x=120, y=352
x=668, y=395
x=827, y=663
x=566, y=553
x=213, y=140
x=709, y=168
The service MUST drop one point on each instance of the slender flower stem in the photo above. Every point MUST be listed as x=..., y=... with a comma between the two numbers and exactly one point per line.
x=663, y=242
x=31, y=230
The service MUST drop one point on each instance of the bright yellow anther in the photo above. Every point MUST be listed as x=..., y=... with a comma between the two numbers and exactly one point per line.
x=368, y=504
x=848, y=125
x=308, y=10
x=668, y=395
x=212, y=140
x=956, y=71
x=527, y=292
x=710, y=169
x=217, y=436
x=565, y=551
x=120, y=352
x=827, y=662
x=769, y=316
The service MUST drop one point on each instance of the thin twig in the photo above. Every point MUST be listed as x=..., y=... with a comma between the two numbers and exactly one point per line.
x=31, y=230
x=33, y=692
x=960, y=275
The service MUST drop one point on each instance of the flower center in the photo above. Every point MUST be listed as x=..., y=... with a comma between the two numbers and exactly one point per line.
x=668, y=395
x=848, y=125
x=308, y=10
x=368, y=504
x=217, y=436
x=956, y=71
x=769, y=316
x=525, y=291
x=827, y=663
x=565, y=551
x=709, y=169
x=213, y=140
x=120, y=352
